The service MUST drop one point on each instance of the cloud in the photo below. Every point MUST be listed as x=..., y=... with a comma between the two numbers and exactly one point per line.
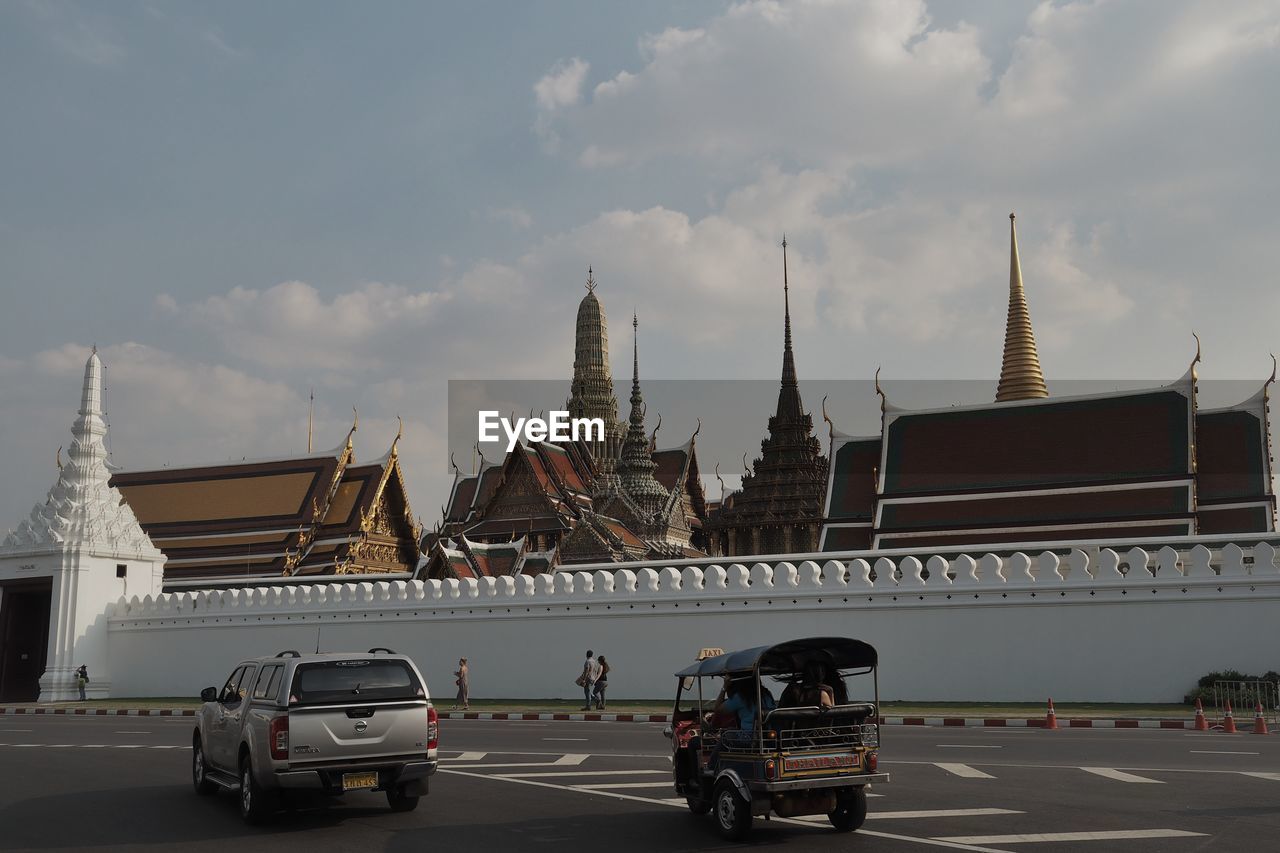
x=562, y=85
x=516, y=217
x=80, y=33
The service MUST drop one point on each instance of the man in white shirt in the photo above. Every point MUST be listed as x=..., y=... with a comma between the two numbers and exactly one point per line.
x=590, y=675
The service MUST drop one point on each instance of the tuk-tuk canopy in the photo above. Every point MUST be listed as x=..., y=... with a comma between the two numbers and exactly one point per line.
x=791, y=656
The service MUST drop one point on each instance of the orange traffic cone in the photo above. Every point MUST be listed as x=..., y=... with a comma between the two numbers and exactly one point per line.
x=1202, y=725
x=1050, y=718
x=1259, y=722
x=1228, y=722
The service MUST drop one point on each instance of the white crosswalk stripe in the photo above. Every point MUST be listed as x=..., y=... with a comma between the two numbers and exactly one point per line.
x=1120, y=776
x=1110, y=835
x=964, y=771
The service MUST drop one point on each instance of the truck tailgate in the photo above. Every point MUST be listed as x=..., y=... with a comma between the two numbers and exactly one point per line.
x=330, y=733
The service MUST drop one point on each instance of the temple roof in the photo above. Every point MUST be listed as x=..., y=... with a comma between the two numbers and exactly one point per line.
x=636, y=467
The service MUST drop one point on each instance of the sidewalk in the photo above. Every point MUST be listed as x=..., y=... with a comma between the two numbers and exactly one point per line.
x=989, y=715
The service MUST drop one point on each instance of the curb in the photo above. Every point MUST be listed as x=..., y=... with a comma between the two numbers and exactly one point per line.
x=942, y=722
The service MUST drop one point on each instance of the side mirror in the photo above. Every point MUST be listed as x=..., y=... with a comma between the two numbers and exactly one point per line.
x=667, y=732
x=209, y=694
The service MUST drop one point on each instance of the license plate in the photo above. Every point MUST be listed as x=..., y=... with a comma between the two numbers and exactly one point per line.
x=840, y=761
x=358, y=781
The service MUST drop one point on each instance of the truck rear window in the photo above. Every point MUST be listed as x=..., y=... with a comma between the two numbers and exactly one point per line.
x=361, y=680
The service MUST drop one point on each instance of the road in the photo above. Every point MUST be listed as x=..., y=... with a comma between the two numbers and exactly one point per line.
x=122, y=782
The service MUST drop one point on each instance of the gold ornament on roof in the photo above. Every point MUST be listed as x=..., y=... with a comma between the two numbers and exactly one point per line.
x=1020, y=375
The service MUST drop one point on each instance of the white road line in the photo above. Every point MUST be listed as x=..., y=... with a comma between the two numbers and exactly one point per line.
x=16, y=731
x=912, y=815
x=1112, y=835
x=470, y=756
x=562, y=761
x=580, y=773
x=678, y=802
x=566, y=738
x=131, y=733
x=964, y=770
x=968, y=746
x=1221, y=752
x=1120, y=776
x=1272, y=777
x=666, y=783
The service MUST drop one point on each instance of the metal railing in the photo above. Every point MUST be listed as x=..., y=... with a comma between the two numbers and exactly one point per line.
x=1245, y=696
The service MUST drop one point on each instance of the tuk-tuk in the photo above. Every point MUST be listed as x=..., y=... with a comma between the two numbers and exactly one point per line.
x=741, y=752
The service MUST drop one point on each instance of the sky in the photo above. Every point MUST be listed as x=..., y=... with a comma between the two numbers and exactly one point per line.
x=241, y=202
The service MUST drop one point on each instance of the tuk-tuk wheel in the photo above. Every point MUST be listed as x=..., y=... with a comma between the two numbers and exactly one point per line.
x=851, y=810
x=697, y=805
x=733, y=813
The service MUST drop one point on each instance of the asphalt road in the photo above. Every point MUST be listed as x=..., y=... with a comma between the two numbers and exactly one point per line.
x=122, y=782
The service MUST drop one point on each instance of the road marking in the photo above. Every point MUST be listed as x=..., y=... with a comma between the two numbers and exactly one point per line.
x=131, y=733
x=666, y=783
x=1272, y=777
x=1221, y=752
x=570, y=760
x=580, y=773
x=911, y=815
x=1112, y=835
x=678, y=802
x=470, y=756
x=1120, y=776
x=566, y=738
x=968, y=746
x=16, y=731
x=965, y=771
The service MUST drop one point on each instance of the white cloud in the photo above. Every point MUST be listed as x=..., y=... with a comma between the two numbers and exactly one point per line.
x=515, y=216
x=562, y=85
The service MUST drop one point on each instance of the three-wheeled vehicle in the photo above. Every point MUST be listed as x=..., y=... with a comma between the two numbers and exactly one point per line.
x=742, y=753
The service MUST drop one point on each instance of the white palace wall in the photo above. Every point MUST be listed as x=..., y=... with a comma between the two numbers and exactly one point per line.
x=1122, y=627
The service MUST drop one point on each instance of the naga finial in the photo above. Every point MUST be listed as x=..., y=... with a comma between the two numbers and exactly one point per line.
x=831, y=427
x=883, y=399
x=696, y=431
x=58, y=457
x=721, y=479
x=1196, y=360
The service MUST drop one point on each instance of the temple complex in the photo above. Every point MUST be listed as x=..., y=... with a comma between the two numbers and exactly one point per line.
x=561, y=503
x=316, y=514
x=1031, y=468
x=778, y=509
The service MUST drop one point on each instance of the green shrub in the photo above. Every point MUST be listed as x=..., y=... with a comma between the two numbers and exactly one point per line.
x=1204, y=687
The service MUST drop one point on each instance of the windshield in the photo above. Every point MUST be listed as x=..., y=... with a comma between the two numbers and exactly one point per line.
x=354, y=681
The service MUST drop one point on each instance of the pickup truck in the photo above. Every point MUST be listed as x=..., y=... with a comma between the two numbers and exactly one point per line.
x=328, y=723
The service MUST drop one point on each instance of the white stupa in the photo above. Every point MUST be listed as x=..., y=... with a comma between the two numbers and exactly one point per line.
x=84, y=544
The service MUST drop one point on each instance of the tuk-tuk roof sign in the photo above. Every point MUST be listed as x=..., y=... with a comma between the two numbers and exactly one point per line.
x=791, y=656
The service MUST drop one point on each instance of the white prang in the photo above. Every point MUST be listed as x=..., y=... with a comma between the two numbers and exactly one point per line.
x=82, y=510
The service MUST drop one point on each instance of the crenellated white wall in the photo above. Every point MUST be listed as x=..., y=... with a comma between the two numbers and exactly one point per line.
x=1125, y=626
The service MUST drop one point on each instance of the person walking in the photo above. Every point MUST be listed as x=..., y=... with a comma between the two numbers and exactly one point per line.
x=82, y=679
x=590, y=672
x=602, y=683
x=464, y=684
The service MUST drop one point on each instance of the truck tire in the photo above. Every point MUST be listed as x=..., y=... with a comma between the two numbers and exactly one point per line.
x=732, y=812
x=256, y=804
x=199, y=770
x=851, y=810
x=401, y=801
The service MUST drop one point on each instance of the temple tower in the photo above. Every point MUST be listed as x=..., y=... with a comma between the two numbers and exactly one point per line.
x=83, y=549
x=636, y=467
x=779, y=508
x=1020, y=376
x=591, y=392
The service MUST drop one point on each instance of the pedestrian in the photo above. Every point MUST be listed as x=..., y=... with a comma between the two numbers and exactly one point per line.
x=82, y=679
x=463, y=681
x=587, y=680
x=602, y=683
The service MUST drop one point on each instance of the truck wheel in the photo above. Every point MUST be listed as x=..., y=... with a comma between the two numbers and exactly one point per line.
x=256, y=804
x=851, y=810
x=733, y=813
x=199, y=772
x=400, y=801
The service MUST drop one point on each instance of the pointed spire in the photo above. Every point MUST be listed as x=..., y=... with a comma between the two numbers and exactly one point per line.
x=311, y=412
x=591, y=281
x=636, y=466
x=1020, y=376
x=789, y=404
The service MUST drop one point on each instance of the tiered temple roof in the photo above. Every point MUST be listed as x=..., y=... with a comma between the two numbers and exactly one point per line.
x=779, y=507
x=321, y=513
x=591, y=391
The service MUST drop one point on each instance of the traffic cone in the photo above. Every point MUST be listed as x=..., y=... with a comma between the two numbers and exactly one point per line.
x=1202, y=725
x=1050, y=718
x=1259, y=722
x=1228, y=722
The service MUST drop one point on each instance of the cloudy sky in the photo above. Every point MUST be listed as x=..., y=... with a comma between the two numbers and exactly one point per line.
x=239, y=202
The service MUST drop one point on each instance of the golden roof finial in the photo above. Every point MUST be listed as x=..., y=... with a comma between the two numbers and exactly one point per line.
x=831, y=427
x=58, y=456
x=883, y=399
x=1192, y=369
x=721, y=479
x=1020, y=375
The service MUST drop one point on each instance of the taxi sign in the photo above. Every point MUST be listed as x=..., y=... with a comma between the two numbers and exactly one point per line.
x=703, y=654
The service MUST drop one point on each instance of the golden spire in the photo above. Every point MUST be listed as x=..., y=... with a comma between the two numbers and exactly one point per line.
x=311, y=412
x=1020, y=376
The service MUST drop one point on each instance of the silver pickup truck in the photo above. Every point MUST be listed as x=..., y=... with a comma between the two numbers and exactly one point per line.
x=328, y=723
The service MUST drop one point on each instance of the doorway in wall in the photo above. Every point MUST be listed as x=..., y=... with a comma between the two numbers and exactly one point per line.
x=24, y=638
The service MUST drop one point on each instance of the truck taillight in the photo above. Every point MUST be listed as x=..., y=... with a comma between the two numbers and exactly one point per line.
x=771, y=769
x=279, y=738
x=872, y=762
x=433, y=728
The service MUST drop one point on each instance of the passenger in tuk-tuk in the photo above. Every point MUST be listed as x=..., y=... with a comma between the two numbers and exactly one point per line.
x=738, y=697
x=816, y=687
